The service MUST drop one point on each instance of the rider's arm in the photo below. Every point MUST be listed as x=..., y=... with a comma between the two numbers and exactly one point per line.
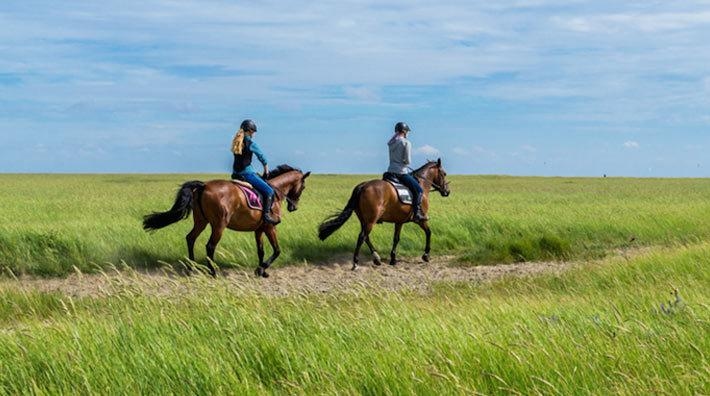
x=260, y=156
x=407, y=152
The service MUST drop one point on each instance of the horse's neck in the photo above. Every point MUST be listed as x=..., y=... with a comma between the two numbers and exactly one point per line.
x=283, y=182
x=425, y=183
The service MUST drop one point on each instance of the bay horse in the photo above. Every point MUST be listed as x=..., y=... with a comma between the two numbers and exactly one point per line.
x=376, y=201
x=222, y=205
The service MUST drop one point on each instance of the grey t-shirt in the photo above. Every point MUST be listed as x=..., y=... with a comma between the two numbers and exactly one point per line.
x=400, y=155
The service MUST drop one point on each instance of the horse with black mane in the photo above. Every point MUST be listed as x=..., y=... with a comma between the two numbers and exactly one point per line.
x=376, y=201
x=222, y=204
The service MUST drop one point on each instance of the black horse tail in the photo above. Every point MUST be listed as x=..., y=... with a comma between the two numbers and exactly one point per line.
x=334, y=222
x=180, y=210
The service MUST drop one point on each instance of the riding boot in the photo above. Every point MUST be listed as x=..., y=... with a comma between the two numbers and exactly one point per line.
x=418, y=214
x=267, y=202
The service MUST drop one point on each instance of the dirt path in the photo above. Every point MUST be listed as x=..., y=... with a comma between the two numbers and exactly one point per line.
x=410, y=274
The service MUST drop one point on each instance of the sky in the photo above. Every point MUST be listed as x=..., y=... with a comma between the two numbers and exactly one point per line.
x=526, y=87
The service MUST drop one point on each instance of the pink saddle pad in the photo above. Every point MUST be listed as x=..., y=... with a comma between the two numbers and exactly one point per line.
x=253, y=197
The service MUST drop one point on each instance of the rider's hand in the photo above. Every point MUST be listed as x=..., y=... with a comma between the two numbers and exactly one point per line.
x=266, y=171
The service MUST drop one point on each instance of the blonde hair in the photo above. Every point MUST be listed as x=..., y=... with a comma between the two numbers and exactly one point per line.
x=238, y=142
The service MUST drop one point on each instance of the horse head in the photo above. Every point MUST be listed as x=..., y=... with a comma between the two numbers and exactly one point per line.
x=289, y=182
x=434, y=173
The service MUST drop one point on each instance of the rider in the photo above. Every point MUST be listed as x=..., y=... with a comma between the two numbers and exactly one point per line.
x=243, y=147
x=400, y=157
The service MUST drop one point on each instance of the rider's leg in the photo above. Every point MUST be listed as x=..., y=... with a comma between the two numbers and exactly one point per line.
x=267, y=195
x=417, y=192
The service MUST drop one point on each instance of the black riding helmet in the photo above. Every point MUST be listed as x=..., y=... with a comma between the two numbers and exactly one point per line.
x=248, y=126
x=401, y=127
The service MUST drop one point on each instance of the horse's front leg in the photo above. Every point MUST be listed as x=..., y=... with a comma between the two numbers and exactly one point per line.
x=395, y=241
x=258, y=234
x=425, y=226
x=273, y=240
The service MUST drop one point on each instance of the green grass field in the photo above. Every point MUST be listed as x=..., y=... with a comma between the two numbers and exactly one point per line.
x=51, y=224
x=610, y=325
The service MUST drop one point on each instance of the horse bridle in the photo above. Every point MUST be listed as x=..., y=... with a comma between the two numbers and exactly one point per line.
x=436, y=186
x=289, y=200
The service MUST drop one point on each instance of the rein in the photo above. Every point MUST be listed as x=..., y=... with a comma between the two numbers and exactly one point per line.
x=436, y=187
x=279, y=192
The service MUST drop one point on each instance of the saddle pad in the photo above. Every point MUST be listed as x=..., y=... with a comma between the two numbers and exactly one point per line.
x=405, y=196
x=253, y=196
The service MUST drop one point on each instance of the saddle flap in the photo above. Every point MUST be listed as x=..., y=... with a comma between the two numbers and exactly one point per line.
x=252, y=195
x=404, y=194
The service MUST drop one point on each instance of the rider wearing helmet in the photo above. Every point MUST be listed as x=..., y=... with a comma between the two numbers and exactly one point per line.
x=400, y=150
x=243, y=148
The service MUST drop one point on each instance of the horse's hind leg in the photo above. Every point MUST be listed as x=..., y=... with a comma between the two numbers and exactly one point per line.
x=217, y=231
x=375, y=257
x=395, y=241
x=365, y=229
x=197, y=228
x=425, y=226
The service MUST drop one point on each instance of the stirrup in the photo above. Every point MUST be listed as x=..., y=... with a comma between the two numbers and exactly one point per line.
x=419, y=216
x=268, y=219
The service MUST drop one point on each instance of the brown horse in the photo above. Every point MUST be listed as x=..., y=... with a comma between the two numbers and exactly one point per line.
x=376, y=201
x=222, y=205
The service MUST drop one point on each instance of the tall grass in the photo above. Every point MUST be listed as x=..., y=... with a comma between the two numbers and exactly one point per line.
x=50, y=224
x=609, y=328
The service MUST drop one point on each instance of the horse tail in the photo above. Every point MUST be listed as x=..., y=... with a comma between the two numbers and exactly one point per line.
x=334, y=222
x=180, y=210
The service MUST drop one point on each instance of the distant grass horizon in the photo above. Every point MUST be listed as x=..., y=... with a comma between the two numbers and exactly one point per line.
x=226, y=174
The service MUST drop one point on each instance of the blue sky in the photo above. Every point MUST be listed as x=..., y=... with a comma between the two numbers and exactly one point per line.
x=528, y=87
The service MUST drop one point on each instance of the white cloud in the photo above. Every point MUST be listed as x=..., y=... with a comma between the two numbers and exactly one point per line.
x=461, y=151
x=364, y=94
x=428, y=150
x=631, y=144
x=529, y=148
x=648, y=22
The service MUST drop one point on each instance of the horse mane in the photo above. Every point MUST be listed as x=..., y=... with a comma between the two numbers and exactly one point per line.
x=280, y=170
x=423, y=167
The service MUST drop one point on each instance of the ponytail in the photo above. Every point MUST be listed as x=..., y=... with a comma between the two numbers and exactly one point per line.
x=238, y=142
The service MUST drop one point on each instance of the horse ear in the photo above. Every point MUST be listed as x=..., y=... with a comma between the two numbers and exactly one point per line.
x=306, y=175
x=438, y=162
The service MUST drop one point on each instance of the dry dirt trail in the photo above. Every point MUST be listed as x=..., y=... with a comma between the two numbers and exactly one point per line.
x=409, y=274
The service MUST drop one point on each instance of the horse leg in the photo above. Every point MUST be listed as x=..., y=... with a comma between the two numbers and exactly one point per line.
x=365, y=229
x=395, y=241
x=258, y=234
x=427, y=231
x=375, y=257
x=271, y=236
x=217, y=230
x=199, y=225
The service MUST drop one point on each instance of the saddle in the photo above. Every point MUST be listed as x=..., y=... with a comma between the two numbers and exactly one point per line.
x=252, y=195
x=404, y=194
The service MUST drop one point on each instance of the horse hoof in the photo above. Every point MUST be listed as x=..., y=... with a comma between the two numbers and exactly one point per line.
x=376, y=259
x=425, y=257
x=393, y=262
x=261, y=272
x=354, y=267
